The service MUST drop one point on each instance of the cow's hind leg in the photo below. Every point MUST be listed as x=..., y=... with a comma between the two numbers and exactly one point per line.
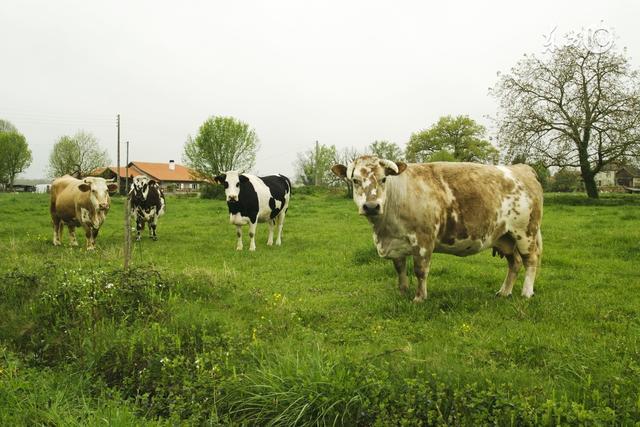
x=239, y=235
x=400, y=264
x=72, y=236
x=252, y=235
x=272, y=223
x=514, y=262
x=57, y=231
x=531, y=264
x=152, y=229
x=280, y=222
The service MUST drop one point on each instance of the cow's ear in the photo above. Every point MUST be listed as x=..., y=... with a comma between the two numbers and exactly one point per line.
x=243, y=178
x=112, y=187
x=402, y=166
x=152, y=182
x=220, y=179
x=84, y=187
x=339, y=170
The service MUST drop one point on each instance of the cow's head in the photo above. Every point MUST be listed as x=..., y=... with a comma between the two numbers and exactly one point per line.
x=140, y=187
x=98, y=189
x=231, y=181
x=369, y=176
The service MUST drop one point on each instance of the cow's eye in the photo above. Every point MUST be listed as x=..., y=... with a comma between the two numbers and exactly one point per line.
x=237, y=184
x=384, y=179
x=356, y=181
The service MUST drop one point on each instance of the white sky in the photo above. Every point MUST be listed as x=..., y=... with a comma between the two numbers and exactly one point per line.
x=341, y=72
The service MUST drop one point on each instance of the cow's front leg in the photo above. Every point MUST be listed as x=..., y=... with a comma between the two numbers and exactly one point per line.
x=272, y=223
x=152, y=229
x=421, y=269
x=72, y=236
x=400, y=265
x=252, y=235
x=91, y=244
x=239, y=234
x=139, y=227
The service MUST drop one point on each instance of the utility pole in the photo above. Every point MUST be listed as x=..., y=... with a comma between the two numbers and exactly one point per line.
x=317, y=161
x=127, y=217
x=118, y=155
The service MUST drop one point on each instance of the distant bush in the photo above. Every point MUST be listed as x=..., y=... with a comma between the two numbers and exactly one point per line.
x=211, y=191
x=564, y=181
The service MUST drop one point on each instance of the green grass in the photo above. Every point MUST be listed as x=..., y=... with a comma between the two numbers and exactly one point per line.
x=314, y=332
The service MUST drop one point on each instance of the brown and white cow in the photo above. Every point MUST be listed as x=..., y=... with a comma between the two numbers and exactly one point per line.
x=455, y=208
x=75, y=203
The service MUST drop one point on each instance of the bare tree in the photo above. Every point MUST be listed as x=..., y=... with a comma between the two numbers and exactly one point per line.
x=344, y=157
x=578, y=106
x=78, y=155
x=386, y=150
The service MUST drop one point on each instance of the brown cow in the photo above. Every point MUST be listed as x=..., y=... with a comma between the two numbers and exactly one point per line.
x=76, y=202
x=455, y=208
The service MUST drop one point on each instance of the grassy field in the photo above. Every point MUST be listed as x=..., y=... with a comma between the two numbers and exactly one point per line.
x=314, y=332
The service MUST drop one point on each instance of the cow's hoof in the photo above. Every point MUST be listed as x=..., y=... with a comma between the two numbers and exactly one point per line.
x=238, y=248
x=269, y=243
x=418, y=299
x=138, y=239
x=154, y=238
x=74, y=244
x=92, y=248
x=503, y=295
x=527, y=295
x=56, y=243
x=278, y=243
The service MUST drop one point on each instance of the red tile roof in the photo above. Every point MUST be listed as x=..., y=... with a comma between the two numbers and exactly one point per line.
x=158, y=171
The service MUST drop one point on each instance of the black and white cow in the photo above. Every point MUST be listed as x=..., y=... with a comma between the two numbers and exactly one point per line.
x=253, y=199
x=147, y=204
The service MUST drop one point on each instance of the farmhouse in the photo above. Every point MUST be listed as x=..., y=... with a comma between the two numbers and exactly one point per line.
x=613, y=175
x=171, y=176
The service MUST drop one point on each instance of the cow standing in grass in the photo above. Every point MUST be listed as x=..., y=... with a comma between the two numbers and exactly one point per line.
x=455, y=208
x=147, y=204
x=253, y=199
x=75, y=203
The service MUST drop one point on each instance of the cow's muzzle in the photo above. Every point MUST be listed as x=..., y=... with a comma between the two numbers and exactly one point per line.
x=371, y=208
x=104, y=206
x=232, y=199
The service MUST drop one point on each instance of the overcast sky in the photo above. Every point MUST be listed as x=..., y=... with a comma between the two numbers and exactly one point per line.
x=340, y=72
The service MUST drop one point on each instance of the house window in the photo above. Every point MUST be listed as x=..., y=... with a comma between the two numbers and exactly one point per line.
x=194, y=186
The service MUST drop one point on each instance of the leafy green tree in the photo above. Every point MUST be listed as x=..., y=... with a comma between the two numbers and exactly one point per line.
x=385, y=150
x=79, y=155
x=15, y=156
x=452, y=138
x=575, y=107
x=222, y=144
x=313, y=167
x=6, y=126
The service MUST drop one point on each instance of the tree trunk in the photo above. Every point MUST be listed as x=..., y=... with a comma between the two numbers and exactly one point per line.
x=587, y=174
x=590, y=186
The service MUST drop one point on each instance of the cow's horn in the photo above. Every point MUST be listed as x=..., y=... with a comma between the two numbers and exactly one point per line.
x=389, y=164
